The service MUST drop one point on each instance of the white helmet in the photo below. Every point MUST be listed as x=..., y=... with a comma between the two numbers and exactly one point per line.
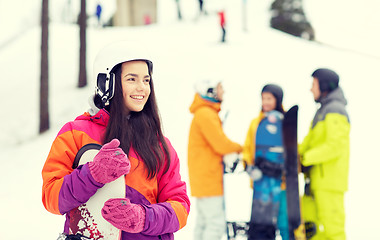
x=108, y=58
x=207, y=88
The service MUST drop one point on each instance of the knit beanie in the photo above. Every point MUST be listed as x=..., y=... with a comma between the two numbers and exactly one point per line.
x=277, y=93
x=327, y=78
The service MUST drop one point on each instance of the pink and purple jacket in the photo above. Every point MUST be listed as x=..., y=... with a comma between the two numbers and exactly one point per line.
x=164, y=197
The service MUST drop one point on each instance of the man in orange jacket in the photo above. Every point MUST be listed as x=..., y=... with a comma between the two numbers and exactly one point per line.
x=207, y=145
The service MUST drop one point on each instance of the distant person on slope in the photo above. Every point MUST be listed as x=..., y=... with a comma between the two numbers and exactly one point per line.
x=201, y=7
x=98, y=14
x=207, y=145
x=260, y=229
x=222, y=21
x=123, y=119
x=324, y=154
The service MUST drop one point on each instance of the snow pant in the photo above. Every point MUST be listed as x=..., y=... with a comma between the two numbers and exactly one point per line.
x=326, y=210
x=210, y=223
x=223, y=34
x=282, y=220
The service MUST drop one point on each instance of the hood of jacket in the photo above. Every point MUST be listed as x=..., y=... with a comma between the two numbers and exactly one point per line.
x=334, y=102
x=100, y=118
x=335, y=95
x=199, y=102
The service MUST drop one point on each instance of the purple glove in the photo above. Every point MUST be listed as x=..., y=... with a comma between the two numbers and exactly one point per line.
x=110, y=163
x=124, y=215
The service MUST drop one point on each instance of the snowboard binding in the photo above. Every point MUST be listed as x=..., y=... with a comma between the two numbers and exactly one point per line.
x=63, y=236
x=235, y=229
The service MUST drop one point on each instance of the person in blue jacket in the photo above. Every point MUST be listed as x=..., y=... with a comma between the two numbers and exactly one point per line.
x=272, y=96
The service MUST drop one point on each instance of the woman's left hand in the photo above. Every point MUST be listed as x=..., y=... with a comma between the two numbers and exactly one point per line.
x=124, y=215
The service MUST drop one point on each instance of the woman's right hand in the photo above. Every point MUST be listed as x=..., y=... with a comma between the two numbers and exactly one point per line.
x=110, y=163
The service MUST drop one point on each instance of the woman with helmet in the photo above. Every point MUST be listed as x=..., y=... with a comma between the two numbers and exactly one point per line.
x=259, y=228
x=123, y=119
x=207, y=145
x=324, y=155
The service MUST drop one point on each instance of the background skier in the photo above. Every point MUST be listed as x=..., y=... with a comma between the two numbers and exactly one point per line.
x=272, y=96
x=324, y=153
x=207, y=145
x=201, y=9
x=98, y=14
x=222, y=22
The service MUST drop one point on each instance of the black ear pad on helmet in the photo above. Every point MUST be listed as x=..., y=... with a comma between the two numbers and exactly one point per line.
x=101, y=82
x=211, y=92
x=105, y=84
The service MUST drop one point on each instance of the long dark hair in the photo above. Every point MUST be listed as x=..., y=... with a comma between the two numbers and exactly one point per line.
x=140, y=130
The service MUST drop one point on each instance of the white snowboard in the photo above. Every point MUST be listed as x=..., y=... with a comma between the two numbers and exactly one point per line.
x=87, y=219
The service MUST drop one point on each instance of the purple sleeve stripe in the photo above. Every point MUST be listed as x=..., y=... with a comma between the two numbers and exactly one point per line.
x=160, y=219
x=76, y=189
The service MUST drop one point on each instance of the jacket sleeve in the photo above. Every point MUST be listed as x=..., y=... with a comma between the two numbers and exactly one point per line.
x=305, y=143
x=250, y=141
x=64, y=188
x=211, y=127
x=337, y=130
x=173, y=207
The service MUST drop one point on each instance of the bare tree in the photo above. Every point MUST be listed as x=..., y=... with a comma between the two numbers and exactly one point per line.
x=244, y=15
x=44, y=84
x=82, y=51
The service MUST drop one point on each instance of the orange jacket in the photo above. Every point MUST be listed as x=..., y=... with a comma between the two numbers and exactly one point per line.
x=164, y=197
x=207, y=145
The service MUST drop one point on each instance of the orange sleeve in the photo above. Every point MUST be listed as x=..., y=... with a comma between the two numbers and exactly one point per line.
x=59, y=164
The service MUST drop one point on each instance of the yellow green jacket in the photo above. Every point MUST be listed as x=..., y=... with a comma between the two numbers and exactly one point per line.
x=326, y=147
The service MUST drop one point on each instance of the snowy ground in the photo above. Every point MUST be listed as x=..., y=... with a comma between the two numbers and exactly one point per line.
x=185, y=52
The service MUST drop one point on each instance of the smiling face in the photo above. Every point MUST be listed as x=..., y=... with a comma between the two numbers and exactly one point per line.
x=135, y=81
x=268, y=102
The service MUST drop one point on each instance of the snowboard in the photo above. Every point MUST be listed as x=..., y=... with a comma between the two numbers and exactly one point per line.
x=267, y=188
x=87, y=219
x=296, y=227
x=237, y=216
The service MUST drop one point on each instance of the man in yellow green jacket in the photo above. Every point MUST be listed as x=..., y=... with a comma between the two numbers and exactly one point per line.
x=207, y=145
x=324, y=155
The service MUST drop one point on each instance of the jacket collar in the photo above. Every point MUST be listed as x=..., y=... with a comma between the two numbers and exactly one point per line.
x=101, y=117
x=201, y=102
x=336, y=94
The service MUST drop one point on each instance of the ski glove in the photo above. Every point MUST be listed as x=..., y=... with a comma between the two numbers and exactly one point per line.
x=305, y=169
x=110, y=163
x=269, y=168
x=254, y=172
x=124, y=215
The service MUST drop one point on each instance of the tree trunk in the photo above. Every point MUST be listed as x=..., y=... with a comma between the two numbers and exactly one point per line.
x=44, y=84
x=244, y=14
x=82, y=50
